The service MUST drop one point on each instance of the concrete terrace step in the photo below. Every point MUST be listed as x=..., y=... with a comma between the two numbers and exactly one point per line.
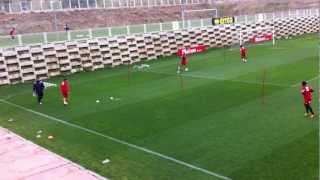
x=22, y=159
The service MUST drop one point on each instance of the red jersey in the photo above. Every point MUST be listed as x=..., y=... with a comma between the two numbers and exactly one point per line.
x=306, y=91
x=64, y=88
x=183, y=59
x=12, y=32
x=243, y=51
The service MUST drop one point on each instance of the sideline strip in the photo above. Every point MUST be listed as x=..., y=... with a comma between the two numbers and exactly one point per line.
x=46, y=168
x=118, y=141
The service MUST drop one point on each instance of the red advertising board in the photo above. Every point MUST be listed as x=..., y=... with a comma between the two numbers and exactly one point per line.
x=262, y=38
x=191, y=50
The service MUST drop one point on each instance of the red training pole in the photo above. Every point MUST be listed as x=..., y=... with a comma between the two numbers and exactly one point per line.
x=263, y=86
x=129, y=72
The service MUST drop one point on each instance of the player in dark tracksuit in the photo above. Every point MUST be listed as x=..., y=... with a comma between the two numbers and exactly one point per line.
x=38, y=88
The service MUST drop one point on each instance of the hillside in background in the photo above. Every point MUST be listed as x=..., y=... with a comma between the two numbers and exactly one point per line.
x=30, y=22
x=235, y=7
x=81, y=19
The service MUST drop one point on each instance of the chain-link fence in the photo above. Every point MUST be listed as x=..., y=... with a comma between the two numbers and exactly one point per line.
x=62, y=36
x=49, y=5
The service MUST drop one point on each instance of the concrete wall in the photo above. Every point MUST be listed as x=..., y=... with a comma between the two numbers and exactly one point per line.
x=28, y=62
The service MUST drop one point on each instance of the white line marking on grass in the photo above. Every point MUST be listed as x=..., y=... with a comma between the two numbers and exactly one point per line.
x=118, y=141
x=47, y=84
x=261, y=44
x=218, y=78
x=23, y=92
x=299, y=83
x=17, y=94
x=233, y=48
x=278, y=48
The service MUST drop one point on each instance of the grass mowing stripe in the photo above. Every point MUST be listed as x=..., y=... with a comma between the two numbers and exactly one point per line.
x=217, y=78
x=118, y=140
x=299, y=83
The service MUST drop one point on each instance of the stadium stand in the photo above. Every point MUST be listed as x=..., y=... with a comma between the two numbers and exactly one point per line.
x=25, y=63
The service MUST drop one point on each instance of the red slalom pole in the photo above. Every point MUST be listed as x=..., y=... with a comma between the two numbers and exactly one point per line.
x=263, y=86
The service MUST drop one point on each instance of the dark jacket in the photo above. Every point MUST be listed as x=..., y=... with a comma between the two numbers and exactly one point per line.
x=38, y=87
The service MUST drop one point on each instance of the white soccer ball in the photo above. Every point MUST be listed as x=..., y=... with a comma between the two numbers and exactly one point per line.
x=97, y=101
x=111, y=97
x=105, y=161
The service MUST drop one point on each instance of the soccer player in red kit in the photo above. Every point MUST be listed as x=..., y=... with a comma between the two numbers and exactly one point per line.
x=64, y=89
x=243, y=52
x=183, y=65
x=307, y=91
x=12, y=33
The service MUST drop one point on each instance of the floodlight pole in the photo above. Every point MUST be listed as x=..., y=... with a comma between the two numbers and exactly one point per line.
x=10, y=7
x=182, y=14
x=273, y=35
x=55, y=22
x=273, y=30
x=240, y=37
x=56, y=26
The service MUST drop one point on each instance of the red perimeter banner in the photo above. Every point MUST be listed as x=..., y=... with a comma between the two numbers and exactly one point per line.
x=262, y=38
x=192, y=50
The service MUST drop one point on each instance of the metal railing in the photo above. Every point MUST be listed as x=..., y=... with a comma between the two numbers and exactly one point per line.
x=63, y=36
x=15, y=6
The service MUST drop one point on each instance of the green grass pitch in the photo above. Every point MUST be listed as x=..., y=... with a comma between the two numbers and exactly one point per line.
x=214, y=122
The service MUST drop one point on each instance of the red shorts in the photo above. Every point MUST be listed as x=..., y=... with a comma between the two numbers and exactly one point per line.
x=65, y=94
x=184, y=62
